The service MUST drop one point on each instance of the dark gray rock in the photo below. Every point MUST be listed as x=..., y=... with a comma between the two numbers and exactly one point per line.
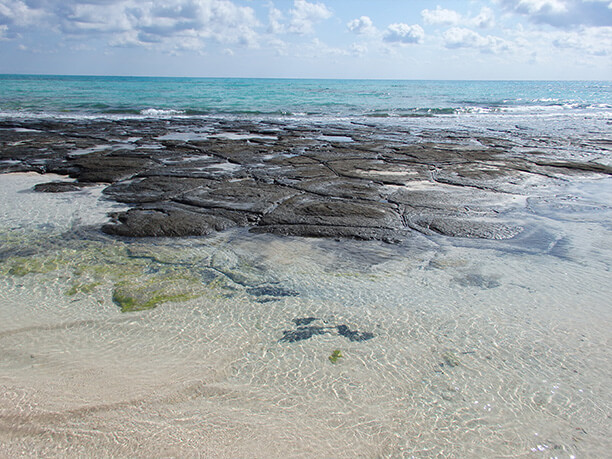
x=104, y=168
x=321, y=211
x=154, y=188
x=308, y=180
x=464, y=227
x=245, y=195
x=57, y=187
x=168, y=221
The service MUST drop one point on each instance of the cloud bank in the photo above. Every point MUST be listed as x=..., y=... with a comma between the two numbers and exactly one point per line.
x=562, y=13
x=501, y=31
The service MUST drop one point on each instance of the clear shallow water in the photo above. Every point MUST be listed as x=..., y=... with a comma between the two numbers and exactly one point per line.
x=479, y=349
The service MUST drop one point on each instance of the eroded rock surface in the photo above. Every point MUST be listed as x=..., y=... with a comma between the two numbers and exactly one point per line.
x=195, y=176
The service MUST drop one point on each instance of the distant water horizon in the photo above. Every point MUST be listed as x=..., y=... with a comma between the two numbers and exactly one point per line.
x=48, y=96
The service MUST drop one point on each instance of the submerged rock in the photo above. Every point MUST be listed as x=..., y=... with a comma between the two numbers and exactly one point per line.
x=304, y=321
x=478, y=280
x=271, y=291
x=57, y=187
x=451, y=359
x=302, y=333
x=353, y=335
x=138, y=296
x=305, y=331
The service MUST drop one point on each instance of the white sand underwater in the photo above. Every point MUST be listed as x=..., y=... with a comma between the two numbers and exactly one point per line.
x=479, y=350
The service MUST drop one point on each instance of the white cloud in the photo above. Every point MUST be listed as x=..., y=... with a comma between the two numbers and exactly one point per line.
x=362, y=26
x=279, y=46
x=441, y=16
x=305, y=15
x=459, y=37
x=583, y=47
x=562, y=13
x=485, y=19
x=538, y=6
x=444, y=17
x=16, y=13
x=171, y=24
x=404, y=33
x=91, y=18
x=593, y=41
x=275, y=18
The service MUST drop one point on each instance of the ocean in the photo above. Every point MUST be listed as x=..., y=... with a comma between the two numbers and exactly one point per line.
x=118, y=97
x=261, y=345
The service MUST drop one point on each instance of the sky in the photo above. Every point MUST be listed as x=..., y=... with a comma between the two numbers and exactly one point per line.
x=386, y=39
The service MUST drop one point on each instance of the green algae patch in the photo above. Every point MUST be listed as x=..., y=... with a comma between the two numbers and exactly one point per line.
x=84, y=288
x=139, y=296
x=114, y=271
x=23, y=266
x=136, y=277
x=335, y=356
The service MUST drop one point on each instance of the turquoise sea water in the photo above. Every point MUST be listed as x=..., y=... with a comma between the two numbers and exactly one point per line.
x=28, y=95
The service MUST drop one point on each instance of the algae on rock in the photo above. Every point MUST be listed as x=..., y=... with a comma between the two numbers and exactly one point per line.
x=134, y=277
x=82, y=287
x=138, y=296
x=22, y=266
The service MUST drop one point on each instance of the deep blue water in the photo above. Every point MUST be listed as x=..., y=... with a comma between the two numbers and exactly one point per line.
x=30, y=95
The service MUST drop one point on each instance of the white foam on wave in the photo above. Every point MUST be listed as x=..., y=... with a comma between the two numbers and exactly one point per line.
x=158, y=112
x=237, y=136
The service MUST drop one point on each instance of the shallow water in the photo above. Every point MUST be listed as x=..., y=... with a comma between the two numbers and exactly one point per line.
x=447, y=347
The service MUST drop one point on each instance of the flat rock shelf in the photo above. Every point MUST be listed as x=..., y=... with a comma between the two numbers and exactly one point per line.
x=194, y=177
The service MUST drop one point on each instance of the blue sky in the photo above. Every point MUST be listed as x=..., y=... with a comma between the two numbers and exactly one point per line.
x=404, y=39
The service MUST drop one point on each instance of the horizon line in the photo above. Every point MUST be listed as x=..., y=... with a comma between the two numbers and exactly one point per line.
x=299, y=78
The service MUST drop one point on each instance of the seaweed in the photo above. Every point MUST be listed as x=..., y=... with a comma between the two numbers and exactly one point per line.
x=82, y=288
x=337, y=354
x=138, y=296
x=22, y=266
x=137, y=301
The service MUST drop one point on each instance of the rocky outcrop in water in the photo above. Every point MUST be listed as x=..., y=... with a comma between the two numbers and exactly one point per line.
x=196, y=177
